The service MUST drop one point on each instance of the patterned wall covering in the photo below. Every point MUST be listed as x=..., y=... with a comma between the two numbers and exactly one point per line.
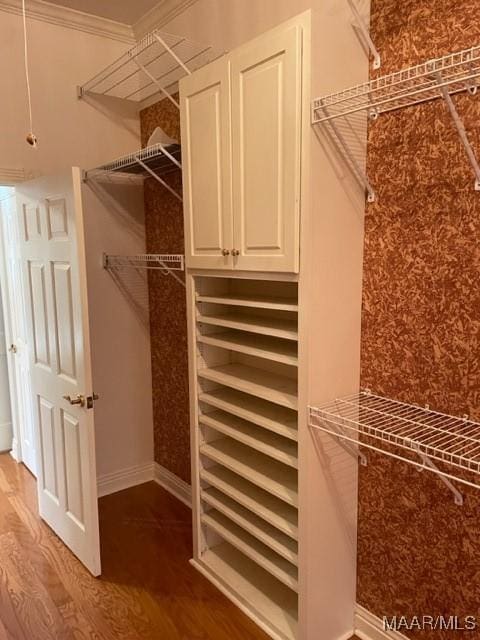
x=164, y=229
x=419, y=553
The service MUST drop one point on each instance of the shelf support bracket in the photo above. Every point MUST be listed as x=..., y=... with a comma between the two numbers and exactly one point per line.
x=360, y=25
x=427, y=462
x=342, y=147
x=349, y=447
x=172, y=53
x=158, y=179
x=155, y=81
x=458, y=122
x=172, y=273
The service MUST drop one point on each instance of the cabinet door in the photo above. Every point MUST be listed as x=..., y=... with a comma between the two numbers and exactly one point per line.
x=266, y=136
x=206, y=163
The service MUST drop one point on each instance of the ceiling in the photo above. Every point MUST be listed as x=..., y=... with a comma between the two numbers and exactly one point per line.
x=126, y=11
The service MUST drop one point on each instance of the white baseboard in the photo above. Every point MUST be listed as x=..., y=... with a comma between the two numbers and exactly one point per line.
x=173, y=484
x=370, y=627
x=6, y=436
x=124, y=479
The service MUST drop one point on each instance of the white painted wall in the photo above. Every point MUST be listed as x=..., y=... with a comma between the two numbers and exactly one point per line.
x=331, y=282
x=70, y=131
x=119, y=333
x=5, y=410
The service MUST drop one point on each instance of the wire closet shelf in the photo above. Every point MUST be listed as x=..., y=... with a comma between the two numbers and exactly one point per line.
x=455, y=72
x=152, y=261
x=152, y=162
x=400, y=430
x=153, y=65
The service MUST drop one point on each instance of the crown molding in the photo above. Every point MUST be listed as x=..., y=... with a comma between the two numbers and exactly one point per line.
x=71, y=19
x=164, y=12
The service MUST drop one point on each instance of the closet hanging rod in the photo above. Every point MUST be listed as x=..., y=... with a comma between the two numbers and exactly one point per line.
x=405, y=431
x=456, y=72
x=158, y=61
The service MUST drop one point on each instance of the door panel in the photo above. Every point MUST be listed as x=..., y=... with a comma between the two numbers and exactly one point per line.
x=266, y=146
x=13, y=229
x=206, y=162
x=53, y=256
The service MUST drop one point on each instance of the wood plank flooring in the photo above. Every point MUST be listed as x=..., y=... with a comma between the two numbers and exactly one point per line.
x=148, y=590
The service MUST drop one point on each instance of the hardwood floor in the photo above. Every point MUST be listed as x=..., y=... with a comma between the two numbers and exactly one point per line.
x=148, y=590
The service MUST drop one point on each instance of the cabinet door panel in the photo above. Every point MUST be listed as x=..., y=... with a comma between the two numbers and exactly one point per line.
x=206, y=161
x=266, y=134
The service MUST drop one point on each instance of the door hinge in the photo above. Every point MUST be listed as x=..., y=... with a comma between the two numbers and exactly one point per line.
x=91, y=400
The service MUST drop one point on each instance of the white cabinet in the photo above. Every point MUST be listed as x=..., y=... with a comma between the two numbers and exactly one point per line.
x=241, y=130
x=206, y=153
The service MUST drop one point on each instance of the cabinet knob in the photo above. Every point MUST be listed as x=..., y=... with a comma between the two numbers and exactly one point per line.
x=235, y=252
x=225, y=252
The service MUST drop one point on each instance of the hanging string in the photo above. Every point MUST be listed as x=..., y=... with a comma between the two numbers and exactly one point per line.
x=31, y=137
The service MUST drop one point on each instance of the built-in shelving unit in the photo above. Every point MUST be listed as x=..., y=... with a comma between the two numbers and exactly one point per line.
x=443, y=444
x=247, y=458
x=436, y=78
x=150, y=69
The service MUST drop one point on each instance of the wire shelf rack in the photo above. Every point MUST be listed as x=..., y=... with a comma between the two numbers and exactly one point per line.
x=154, y=157
x=400, y=430
x=153, y=65
x=157, y=261
x=457, y=72
x=152, y=162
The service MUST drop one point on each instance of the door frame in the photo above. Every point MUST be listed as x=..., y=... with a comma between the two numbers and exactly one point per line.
x=10, y=312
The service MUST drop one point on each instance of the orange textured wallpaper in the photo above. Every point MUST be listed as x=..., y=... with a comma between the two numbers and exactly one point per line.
x=168, y=324
x=419, y=553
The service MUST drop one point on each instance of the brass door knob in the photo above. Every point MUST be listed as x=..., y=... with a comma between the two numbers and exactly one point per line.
x=78, y=400
x=225, y=252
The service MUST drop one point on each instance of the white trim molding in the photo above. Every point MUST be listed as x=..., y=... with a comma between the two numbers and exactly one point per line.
x=173, y=484
x=161, y=14
x=6, y=437
x=72, y=19
x=370, y=627
x=9, y=177
x=124, y=479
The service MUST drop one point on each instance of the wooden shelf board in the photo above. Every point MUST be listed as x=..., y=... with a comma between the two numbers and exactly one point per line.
x=280, y=568
x=270, y=475
x=278, y=328
x=266, y=600
x=271, y=444
x=259, y=302
x=274, y=511
x=276, y=349
x=257, y=527
x=270, y=416
x=257, y=382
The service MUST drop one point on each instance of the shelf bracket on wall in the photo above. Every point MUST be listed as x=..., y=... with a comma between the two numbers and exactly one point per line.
x=360, y=25
x=337, y=139
x=457, y=496
x=349, y=447
x=458, y=122
x=158, y=84
x=152, y=173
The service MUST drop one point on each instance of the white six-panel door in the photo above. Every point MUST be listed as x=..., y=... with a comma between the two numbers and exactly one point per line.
x=266, y=129
x=206, y=160
x=53, y=256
